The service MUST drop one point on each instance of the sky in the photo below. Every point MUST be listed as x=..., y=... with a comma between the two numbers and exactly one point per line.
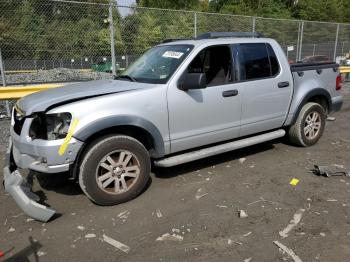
x=125, y=11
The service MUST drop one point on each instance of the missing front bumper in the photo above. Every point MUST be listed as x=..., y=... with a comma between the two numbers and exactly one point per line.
x=20, y=191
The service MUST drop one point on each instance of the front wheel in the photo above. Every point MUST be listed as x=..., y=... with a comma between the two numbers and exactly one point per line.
x=115, y=169
x=309, y=126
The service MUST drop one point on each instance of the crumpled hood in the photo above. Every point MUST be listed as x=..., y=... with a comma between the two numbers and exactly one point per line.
x=40, y=101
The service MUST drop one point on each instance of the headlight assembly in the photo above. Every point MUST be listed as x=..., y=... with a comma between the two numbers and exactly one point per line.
x=50, y=126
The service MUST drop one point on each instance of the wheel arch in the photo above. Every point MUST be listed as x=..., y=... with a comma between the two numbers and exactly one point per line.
x=141, y=129
x=317, y=95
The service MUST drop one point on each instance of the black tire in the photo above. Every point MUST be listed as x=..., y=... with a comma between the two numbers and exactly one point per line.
x=97, y=155
x=296, y=132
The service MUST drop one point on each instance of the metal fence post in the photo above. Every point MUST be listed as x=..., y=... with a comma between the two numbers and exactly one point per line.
x=195, y=24
x=336, y=43
x=111, y=28
x=2, y=69
x=301, y=40
x=253, y=23
x=297, y=51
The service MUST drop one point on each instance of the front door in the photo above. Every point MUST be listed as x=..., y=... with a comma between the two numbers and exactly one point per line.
x=205, y=116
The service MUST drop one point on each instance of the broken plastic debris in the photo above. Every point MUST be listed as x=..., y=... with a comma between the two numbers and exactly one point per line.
x=82, y=228
x=247, y=234
x=322, y=234
x=116, y=244
x=247, y=260
x=327, y=171
x=331, y=118
x=293, y=223
x=175, y=230
x=200, y=193
x=90, y=235
x=159, y=214
x=332, y=200
x=11, y=230
x=242, y=214
x=124, y=214
x=167, y=236
x=41, y=253
x=290, y=252
x=242, y=159
x=294, y=181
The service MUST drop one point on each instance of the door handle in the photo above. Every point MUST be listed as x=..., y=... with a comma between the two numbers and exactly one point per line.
x=230, y=93
x=283, y=84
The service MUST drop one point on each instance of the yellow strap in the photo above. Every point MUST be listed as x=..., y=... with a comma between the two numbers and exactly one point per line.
x=69, y=136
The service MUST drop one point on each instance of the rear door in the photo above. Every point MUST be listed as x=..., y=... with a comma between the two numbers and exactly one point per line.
x=265, y=86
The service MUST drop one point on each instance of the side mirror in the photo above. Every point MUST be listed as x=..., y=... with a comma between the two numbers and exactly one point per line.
x=192, y=81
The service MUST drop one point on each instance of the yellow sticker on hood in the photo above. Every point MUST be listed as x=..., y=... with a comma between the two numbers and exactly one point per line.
x=69, y=136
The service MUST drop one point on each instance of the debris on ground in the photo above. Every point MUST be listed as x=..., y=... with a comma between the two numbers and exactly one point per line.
x=90, y=236
x=29, y=220
x=288, y=251
x=158, y=213
x=331, y=200
x=242, y=214
x=200, y=193
x=247, y=259
x=11, y=230
x=261, y=200
x=167, y=236
x=41, y=253
x=124, y=214
x=116, y=244
x=331, y=118
x=247, y=234
x=294, y=181
x=221, y=206
x=293, y=223
x=322, y=234
x=230, y=242
x=81, y=228
x=328, y=171
x=242, y=159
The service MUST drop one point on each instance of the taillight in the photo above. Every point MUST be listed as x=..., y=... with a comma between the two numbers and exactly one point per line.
x=338, y=82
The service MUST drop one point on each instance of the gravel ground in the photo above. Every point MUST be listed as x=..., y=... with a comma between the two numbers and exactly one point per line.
x=55, y=75
x=198, y=204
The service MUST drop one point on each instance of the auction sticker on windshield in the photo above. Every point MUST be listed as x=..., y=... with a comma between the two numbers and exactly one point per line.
x=172, y=54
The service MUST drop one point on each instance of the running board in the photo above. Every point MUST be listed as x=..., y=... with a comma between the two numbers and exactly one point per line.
x=218, y=149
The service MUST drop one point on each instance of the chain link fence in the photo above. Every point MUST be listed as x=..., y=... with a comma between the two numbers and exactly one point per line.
x=58, y=40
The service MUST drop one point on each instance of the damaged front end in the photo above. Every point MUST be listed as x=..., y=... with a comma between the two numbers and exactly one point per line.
x=20, y=191
x=43, y=143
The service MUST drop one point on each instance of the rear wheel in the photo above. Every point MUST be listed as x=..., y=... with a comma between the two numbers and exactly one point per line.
x=309, y=126
x=114, y=170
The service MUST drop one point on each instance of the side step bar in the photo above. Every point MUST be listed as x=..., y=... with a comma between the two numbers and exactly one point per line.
x=218, y=149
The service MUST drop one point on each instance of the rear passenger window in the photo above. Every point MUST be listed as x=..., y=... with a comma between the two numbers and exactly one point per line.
x=275, y=67
x=257, y=61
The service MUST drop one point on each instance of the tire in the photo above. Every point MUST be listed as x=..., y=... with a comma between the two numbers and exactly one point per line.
x=302, y=133
x=110, y=161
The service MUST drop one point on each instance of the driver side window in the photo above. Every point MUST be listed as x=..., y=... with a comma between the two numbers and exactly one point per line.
x=216, y=63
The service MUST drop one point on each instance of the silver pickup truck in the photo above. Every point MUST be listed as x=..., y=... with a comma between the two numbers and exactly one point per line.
x=181, y=101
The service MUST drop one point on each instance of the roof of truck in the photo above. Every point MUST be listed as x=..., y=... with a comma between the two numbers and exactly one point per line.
x=221, y=38
x=225, y=40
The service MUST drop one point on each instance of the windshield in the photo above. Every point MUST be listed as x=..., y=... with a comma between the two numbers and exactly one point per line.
x=158, y=64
